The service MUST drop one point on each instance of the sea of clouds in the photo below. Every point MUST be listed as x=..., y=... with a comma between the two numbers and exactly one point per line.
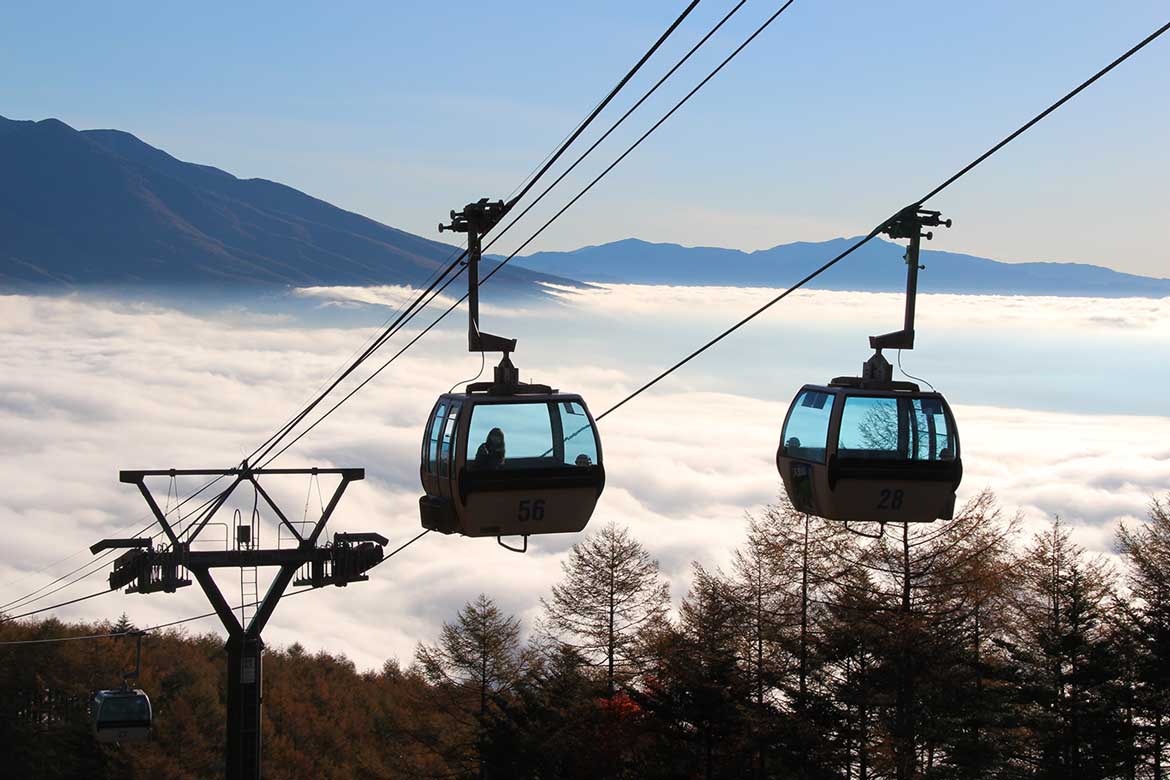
x=1061, y=405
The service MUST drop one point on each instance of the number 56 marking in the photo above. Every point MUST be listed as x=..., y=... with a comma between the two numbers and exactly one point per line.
x=891, y=499
x=530, y=510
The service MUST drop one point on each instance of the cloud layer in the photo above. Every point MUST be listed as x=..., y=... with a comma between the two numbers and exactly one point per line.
x=88, y=387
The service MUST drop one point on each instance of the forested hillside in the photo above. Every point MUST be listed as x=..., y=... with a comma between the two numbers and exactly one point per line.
x=960, y=649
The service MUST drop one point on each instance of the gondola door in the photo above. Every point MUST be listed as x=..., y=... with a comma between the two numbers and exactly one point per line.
x=440, y=511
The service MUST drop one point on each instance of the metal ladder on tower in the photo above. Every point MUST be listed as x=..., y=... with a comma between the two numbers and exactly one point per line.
x=247, y=538
x=249, y=594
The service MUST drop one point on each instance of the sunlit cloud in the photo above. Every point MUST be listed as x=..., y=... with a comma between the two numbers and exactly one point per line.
x=933, y=308
x=89, y=387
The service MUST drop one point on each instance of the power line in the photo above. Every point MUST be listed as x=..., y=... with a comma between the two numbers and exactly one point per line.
x=500, y=233
x=601, y=106
x=97, y=564
x=10, y=618
x=405, y=316
x=572, y=133
x=274, y=441
x=172, y=623
x=547, y=224
x=877, y=230
x=354, y=391
x=644, y=136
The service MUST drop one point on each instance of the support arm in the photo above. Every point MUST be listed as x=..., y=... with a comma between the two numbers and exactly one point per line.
x=908, y=224
x=475, y=220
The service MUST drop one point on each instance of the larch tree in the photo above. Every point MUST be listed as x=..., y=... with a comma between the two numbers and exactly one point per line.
x=1062, y=646
x=761, y=586
x=928, y=584
x=611, y=590
x=698, y=688
x=477, y=658
x=1146, y=551
x=801, y=554
x=853, y=635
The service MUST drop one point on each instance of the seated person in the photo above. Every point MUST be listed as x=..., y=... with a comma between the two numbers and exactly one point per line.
x=490, y=454
x=583, y=460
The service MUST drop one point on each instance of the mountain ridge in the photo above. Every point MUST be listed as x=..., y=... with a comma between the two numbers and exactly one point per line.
x=877, y=267
x=102, y=207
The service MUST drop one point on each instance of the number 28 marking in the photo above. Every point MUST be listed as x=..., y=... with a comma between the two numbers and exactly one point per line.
x=890, y=499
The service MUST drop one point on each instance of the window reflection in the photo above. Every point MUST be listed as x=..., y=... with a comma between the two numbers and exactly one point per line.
x=895, y=429
x=806, y=434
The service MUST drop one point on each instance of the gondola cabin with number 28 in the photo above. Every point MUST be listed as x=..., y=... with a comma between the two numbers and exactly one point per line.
x=871, y=448
x=862, y=454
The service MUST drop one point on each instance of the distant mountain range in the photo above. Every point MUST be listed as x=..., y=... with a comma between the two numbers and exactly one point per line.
x=100, y=207
x=878, y=266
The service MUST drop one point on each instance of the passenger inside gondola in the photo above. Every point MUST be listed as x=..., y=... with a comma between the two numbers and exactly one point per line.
x=490, y=454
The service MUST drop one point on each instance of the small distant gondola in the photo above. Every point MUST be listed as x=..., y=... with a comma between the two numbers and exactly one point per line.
x=506, y=458
x=870, y=448
x=121, y=715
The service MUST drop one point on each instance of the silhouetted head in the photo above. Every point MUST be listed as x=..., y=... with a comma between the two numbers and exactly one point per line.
x=495, y=442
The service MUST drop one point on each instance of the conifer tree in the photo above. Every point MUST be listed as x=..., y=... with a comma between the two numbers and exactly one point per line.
x=552, y=726
x=802, y=554
x=476, y=659
x=926, y=585
x=1146, y=550
x=611, y=590
x=1066, y=661
x=762, y=587
x=851, y=648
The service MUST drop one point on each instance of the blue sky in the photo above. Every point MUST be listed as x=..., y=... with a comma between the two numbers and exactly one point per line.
x=840, y=113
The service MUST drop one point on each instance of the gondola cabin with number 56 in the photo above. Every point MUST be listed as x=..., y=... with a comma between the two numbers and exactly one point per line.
x=506, y=458
x=519, y=464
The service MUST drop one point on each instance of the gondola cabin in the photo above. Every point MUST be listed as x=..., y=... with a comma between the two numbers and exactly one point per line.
x=888, y=455
x=515, y=463
x=122, y=715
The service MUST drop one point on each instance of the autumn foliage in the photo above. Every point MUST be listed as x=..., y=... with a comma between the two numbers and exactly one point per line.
x=970, y=648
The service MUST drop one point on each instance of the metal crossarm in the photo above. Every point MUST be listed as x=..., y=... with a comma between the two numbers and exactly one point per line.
x=145, y=569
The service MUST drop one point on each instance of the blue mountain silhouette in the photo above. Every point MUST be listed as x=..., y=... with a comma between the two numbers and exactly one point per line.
x=878, y=266
x=100, y=207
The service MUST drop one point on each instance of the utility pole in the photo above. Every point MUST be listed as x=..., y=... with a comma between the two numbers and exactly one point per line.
x=144, y=568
